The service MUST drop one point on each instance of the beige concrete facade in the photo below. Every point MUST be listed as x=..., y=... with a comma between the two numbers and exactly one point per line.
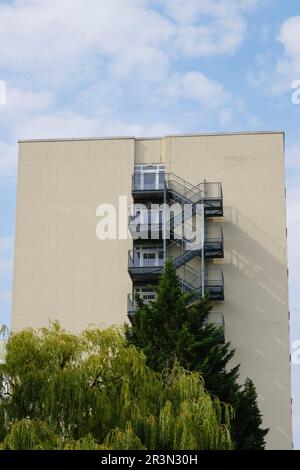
x=62, y=271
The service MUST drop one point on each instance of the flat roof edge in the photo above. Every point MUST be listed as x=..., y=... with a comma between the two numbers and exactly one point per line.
x=75, y=139
x=198, y=134
x=226, y=133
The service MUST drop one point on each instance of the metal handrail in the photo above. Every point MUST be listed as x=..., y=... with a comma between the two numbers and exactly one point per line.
x=197, y=188
x=137, y=187
x=134, y=261
x=196, y=275
x=188, y=228
x=191, y=275
x=208, y=185
x=189, y=190
x=189, y=195
x=188, y=239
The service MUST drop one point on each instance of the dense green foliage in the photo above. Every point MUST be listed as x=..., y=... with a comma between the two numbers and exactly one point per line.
x=174, y=329
x=247, y=430
x=93, y=391
x=171, y=329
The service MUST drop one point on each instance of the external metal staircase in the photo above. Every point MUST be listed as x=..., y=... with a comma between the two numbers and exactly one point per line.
x=183, y=192
x=176, y=188
x=181, y=234
x=213, y=283
x=188, y=239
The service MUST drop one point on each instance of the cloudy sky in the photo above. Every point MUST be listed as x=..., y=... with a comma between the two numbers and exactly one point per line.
x=149, y=67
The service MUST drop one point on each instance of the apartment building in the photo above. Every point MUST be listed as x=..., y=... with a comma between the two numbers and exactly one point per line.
x=232, y=190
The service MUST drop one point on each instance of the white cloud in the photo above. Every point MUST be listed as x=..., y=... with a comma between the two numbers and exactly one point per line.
x=128, y=36
x=54, y=35
x=68, y=125
x=207, y=27
x=276, y=73
x=69, y=63
x=250, y=5
x=289, y=37
x=194, y=85
x=261, y=76
x=58, y=124
x=20, y=106
x=199, y=87
x=20, y=101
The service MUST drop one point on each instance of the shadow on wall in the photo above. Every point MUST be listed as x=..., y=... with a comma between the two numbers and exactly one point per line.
x=255, y=286
x=232, y=215
x=256, y=313
x=254, y=253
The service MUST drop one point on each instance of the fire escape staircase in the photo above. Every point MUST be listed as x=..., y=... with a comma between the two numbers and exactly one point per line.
x=176, y=189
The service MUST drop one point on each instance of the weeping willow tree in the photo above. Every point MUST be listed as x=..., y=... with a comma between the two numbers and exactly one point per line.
x=92, y=391
x=3, y=338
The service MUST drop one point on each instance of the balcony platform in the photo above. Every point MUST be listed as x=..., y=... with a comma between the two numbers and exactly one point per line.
x=148, y=195
x=145, y=275
x=213, y=284
x=149, y=233
x=179, y=190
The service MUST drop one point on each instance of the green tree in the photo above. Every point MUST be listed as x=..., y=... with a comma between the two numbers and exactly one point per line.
x=247, y=431
x=174, y=328
x=93, y=391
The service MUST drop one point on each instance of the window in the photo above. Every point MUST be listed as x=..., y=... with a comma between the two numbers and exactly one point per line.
x=146, y=294
x=148, y=256
x=149, y=177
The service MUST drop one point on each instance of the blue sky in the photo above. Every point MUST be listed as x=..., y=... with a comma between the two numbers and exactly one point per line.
x=138, y=67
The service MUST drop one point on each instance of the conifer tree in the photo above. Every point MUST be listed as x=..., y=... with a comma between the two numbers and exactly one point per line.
x=174, y=328
x=247, y=431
